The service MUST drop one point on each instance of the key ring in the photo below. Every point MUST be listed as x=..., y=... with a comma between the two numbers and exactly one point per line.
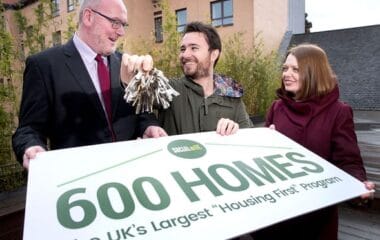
x=147, y=90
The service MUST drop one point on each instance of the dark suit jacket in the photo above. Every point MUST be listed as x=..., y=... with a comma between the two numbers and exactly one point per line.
x=60, y=103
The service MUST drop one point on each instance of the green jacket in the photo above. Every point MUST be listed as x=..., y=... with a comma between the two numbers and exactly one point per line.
x=191, y=112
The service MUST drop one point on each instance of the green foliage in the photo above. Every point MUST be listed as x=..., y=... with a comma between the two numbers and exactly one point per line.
x=259, y=73
x=71, y=27
x=6, y=48
x=34, y=37
x=12, y=177
x=6, y=91
x=6, y=127
x=167, y=54
x=11, y=173
x=7, y=110
x=6, y=54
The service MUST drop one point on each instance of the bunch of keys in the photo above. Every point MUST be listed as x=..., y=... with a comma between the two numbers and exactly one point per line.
x=146, y=90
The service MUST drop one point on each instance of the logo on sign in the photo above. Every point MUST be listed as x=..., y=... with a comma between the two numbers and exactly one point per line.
x=186, y=149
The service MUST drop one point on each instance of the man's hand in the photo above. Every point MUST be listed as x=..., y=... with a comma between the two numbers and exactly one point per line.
x=132, y=63
x=226, y=126
x=154, y=132
x=31, y=153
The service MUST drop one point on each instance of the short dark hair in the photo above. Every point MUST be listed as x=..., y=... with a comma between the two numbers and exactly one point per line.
x=212, y=36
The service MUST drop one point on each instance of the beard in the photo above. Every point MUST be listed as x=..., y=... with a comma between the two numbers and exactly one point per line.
x=199, y=70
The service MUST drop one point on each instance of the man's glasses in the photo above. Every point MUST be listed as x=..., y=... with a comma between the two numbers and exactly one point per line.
x=116, y=24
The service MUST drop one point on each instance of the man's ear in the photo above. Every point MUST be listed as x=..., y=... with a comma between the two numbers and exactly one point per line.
x=214, y=54
x=87, y=17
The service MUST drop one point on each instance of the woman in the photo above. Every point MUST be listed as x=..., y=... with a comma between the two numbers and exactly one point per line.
x=309, y=112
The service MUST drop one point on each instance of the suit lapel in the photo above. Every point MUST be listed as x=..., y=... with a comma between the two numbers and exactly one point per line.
x=116, y=92
x=79, y=72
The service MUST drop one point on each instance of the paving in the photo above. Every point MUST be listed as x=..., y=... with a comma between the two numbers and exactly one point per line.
x=359, y=224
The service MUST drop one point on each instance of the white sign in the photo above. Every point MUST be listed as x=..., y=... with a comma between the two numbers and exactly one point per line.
x=194, y=186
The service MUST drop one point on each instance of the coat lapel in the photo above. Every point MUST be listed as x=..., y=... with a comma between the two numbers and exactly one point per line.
x=114, y=66
x=79, y=72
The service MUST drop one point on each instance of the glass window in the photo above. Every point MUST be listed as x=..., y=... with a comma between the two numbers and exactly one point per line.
x=55, y=8
x=71, y=5
x=181, y=19
x=222, y=13
x=158, y=29
x=57, y=38
x=216, y=9
x=29, y=31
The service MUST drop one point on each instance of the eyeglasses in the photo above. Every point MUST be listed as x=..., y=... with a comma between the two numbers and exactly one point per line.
x=116, y=24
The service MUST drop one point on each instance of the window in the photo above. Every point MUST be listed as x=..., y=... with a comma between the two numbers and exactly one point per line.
x=55, y=8
x=71, y=5
x=158, y=29
x=22, y=50
x=221, y=13
x=181, y=19
x=57, y=38
x=29, y=32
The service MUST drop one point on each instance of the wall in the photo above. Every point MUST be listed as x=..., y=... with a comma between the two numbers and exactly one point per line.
x=270, y=18
x=267, y=17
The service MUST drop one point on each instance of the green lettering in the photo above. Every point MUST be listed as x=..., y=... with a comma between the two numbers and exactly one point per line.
x=266, y=171
x=213, y=171
x=106, y=205
x=64, y=214
x=187, y=186
x=315, y=167
x=283, y=166
x=144, y=199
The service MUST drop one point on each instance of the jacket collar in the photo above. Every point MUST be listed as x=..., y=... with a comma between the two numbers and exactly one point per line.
x=223, y=86
x=310, y=106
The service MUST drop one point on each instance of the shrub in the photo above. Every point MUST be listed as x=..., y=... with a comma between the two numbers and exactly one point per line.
x=258, y=73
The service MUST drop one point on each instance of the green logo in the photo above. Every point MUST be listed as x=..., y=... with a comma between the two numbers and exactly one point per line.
x=186, y=149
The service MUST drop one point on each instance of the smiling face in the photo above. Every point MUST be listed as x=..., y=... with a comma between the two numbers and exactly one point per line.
x=290, y=75
x=195, y=57
x=98, y=31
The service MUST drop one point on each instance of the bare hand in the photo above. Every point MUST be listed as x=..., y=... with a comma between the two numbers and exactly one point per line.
x=154, y=132
x=226, y=126
x=31, y=153
x=272, y=126
x=370, y=186
x=132, y=63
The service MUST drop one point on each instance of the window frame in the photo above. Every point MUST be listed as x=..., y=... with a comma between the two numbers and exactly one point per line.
x=181, y=26
x=225, y=20
x=55, y=8
x=158, y=30
x=57, y=35
x=71, y=5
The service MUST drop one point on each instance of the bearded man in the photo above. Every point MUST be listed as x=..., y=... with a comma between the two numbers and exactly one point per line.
x=207, y=101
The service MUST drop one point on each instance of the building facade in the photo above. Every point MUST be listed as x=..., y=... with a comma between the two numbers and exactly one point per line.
x=266, y=20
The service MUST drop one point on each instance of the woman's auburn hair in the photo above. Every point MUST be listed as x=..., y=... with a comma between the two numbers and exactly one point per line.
x=315, y=73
